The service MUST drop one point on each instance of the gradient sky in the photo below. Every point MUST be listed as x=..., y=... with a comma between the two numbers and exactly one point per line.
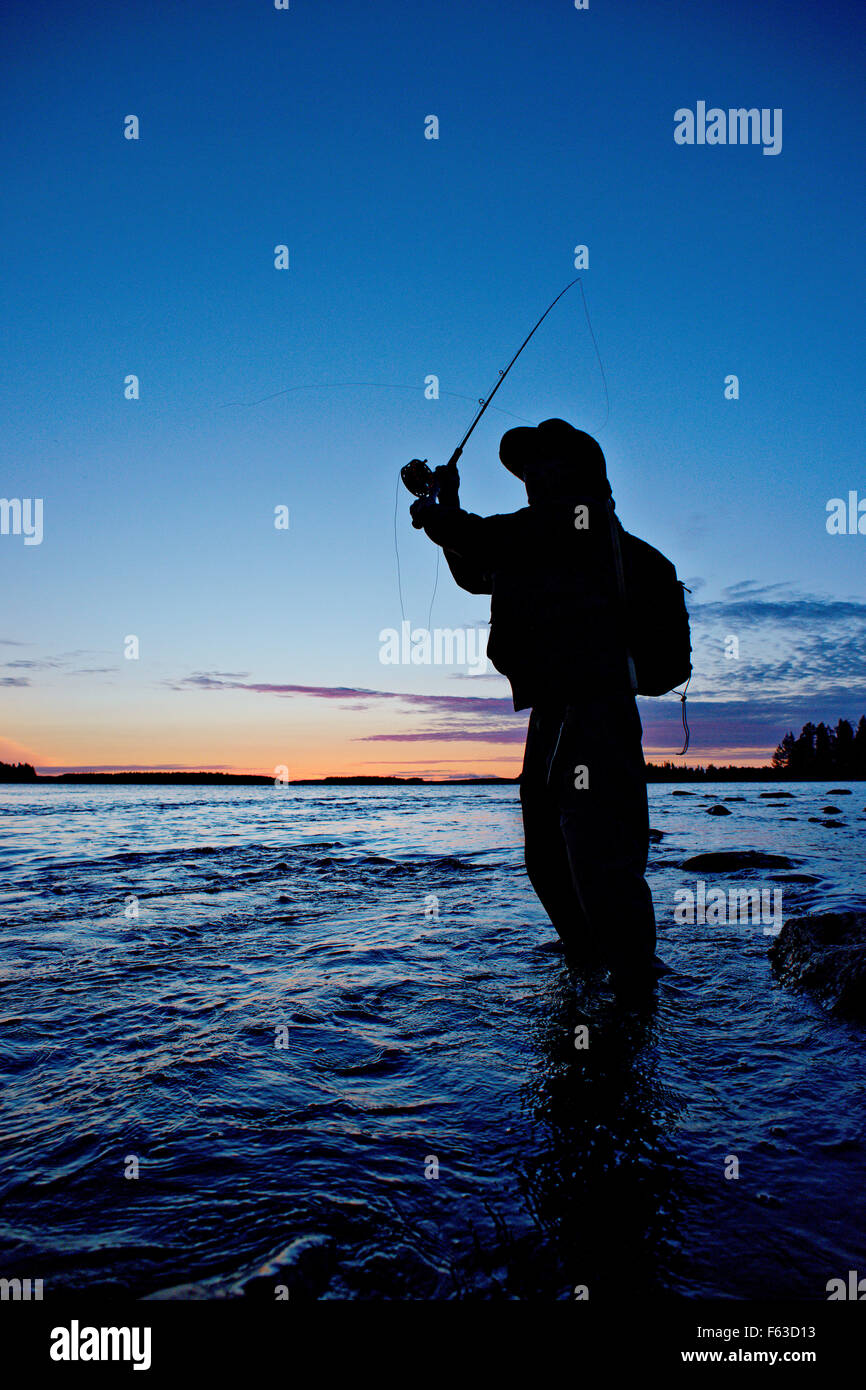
x=411, y=257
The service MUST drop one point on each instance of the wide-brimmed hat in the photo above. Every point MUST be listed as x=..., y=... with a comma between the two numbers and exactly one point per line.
x=553, y=439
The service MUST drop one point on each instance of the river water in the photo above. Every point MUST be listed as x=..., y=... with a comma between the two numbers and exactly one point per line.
x=325, y=1028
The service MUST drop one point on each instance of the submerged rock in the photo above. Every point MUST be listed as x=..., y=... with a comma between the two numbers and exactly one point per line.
x=825, y=954
x=729, y=860
x=776, y=796
x=550, y=948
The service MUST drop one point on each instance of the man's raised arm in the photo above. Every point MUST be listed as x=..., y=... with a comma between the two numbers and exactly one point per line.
x=460, y=534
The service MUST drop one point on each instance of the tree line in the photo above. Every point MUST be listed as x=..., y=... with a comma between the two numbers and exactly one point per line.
x=824, y=752
x=17, y=772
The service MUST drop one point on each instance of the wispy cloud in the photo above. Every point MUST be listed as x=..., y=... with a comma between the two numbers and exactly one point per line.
x=45, y=664
x=800, y=656
x=356, y=696
x=790, y=644
x=67, y=663
x=482, y=719
x=451, y=734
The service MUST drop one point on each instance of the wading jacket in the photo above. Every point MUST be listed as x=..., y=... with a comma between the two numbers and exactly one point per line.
x=556, y=626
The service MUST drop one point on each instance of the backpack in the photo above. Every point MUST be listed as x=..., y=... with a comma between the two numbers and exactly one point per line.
x=657, y=620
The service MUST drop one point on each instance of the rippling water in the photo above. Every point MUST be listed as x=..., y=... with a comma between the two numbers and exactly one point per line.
x=410, y=1037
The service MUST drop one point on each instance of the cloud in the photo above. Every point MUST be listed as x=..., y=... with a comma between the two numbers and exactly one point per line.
x=757, y=724
x=62, y=663
x=12, y=752
x=482, y=719
x=516, y=734
x=24, y=665
x=791, y=644
x=357, y=697
x=801, y=656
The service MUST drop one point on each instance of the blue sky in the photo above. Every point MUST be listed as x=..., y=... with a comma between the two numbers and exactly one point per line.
x=411, y=257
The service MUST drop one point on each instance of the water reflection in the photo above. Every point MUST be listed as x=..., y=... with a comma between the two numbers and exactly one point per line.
x=602, y=1179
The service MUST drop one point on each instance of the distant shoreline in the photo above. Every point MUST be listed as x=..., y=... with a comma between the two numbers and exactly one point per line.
x=655, y=775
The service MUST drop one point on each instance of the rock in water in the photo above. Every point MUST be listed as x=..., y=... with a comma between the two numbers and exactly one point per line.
x=718, y=811
x=730, y=860
x=825, y=954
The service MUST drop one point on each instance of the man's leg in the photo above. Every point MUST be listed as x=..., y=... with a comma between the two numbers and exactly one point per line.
x=605, y=824
x=547, y=861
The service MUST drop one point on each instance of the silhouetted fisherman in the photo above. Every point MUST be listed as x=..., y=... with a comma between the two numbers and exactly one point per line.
x=557, y=633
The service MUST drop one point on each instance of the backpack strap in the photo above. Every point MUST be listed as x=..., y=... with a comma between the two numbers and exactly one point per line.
x=620, y=581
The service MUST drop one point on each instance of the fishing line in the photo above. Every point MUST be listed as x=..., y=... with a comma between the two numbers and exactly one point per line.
x=435, y=587
x=397, y=552
x=382, y=385
x=598, y=355
x=484, y=403
x=397, y=557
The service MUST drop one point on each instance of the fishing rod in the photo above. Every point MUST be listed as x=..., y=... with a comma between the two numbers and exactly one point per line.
x=418, y=477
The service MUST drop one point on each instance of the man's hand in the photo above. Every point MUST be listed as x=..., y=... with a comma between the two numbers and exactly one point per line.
x=445, y=492
x=446, y=481
x=419, y=507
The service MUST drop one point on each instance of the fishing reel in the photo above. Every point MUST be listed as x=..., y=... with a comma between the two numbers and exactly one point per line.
x=423, y=481
x=418, y=477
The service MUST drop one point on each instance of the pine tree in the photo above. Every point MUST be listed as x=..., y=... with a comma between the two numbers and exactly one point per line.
x=843, y=749
x=803, y=758
x=823, y=752
x=784, y=752
x=823, y=763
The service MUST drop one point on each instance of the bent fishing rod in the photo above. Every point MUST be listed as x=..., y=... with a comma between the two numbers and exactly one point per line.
x=421, y=479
